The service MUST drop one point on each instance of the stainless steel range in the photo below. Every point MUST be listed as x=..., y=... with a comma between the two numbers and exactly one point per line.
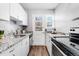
x=74, y=37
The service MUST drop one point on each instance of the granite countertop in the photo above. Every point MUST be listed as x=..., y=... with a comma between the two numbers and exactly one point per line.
x=14, y=41
x=59, y=35
x=66, y=41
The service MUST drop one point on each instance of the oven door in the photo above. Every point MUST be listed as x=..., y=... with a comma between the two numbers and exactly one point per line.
x=59, y=49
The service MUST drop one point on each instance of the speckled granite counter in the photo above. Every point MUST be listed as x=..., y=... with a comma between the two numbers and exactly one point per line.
x=14, y=42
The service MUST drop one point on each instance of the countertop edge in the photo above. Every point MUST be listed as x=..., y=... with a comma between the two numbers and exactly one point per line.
x=14, y=43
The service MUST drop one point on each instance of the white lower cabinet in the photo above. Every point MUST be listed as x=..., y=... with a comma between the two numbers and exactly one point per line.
x=9, y=52
x=19, y=49
x=25, y=46
x=49, y=44
x=22, y=48
x=6, y=53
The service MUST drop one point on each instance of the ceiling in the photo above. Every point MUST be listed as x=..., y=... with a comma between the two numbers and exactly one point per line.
x=42, y=6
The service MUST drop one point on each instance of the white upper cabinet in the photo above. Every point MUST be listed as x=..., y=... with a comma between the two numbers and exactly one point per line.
x=14, y=10
x=4, y=11
x=18, y=12
x=24, y=18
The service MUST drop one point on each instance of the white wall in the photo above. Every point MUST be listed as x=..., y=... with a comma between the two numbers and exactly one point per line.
x=64, y=15
x=32, y=14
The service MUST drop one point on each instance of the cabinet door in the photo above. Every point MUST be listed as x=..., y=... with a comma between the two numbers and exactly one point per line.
x=49, y=45
x=17, y=50
x=18, y=12
x=14, y=10
x=25, y=46
x=4, y=11
x=25, y=18
x=9, y=52
x=22, y=15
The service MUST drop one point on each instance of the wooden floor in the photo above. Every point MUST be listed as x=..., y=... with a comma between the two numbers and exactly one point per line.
x=38, y=51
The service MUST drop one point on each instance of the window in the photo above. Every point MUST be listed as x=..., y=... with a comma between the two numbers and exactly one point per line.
x=49, y=21
x=38, y=23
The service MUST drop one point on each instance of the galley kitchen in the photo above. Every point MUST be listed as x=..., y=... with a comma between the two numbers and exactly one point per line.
x=39, y=29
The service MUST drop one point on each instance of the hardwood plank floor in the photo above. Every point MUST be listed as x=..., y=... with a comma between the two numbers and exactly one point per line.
x=38, y=51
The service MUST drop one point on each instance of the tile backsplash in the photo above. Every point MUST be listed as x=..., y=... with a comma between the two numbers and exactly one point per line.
x=8, y=27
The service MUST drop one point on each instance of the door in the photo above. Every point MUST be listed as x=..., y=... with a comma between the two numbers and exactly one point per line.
x=38, y=30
